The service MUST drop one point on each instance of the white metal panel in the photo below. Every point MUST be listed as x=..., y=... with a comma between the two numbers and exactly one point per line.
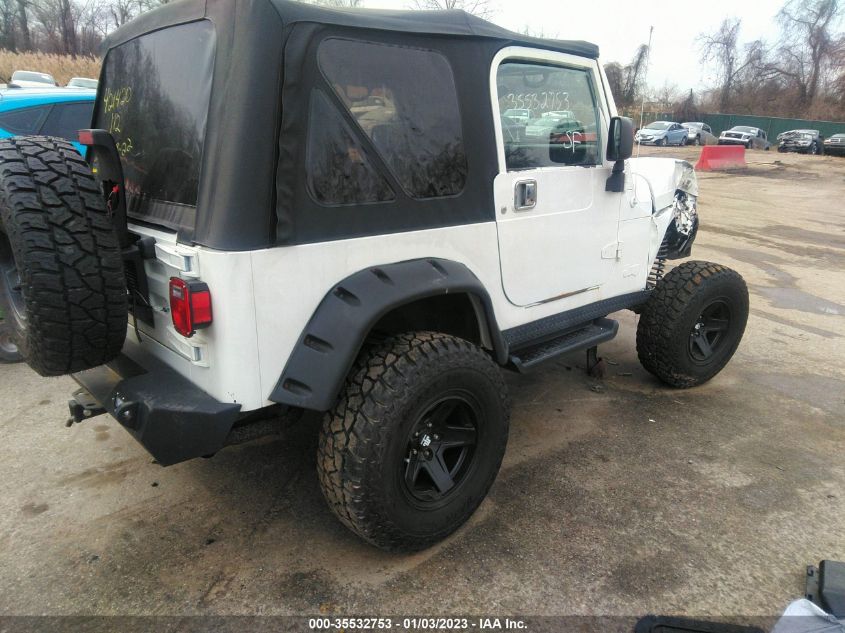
x=554, y=250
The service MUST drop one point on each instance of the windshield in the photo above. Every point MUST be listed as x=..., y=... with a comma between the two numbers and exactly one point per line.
x=658, y=125
x=25, y=75
x=692, y=125
x=744, y=128
x=81, y=82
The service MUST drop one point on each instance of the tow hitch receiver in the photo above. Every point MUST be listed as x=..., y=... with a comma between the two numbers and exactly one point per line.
x=82, y=407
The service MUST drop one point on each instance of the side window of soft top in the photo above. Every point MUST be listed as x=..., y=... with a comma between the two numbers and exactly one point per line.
x=405, y=103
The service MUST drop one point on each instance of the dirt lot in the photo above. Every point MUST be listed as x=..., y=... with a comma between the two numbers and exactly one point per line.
x=627, y=499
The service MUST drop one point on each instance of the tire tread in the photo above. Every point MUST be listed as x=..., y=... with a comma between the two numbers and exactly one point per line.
x=67, y=254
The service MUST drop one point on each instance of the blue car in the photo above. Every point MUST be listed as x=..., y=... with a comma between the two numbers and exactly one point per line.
x=47, y=111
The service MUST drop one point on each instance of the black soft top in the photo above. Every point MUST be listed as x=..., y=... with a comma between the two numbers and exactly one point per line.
x=452, y=22
x=250, y=191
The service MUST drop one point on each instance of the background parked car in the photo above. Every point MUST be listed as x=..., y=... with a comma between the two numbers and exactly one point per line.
x=751, y=137
x=803, y=141
x=32, y=79
x=662, y=133
x=51, y=112
x=82, y=82
x=835, y=144
x=699, y=133
x=542, y=126
x=522, y=115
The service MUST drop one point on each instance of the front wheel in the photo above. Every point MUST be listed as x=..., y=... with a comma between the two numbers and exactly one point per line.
x=415, y=440
x=692, y=323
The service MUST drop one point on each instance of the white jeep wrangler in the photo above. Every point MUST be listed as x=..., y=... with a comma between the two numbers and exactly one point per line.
x=296, y=208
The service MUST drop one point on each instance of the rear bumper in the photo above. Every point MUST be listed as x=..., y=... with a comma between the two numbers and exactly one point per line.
x=171, y=417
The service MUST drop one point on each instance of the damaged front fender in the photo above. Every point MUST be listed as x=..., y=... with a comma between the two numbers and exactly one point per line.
x=673, y=188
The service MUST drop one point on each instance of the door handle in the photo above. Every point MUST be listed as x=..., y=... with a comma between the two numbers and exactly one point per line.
x=525, y=195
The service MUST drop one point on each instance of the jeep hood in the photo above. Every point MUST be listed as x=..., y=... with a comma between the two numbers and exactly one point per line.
x=663, y=176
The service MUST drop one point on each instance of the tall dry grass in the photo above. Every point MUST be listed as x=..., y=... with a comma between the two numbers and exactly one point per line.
x=62, y=67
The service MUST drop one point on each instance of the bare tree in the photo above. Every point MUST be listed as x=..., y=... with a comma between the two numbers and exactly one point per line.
x=23, y=23
x=809, y=43
x=615, y=77
x=341, y=4
x=666, y=95
x=633, y=76
x=8, y=32
x=540, y=33
x=732, y=61
x=481, y=8
x=687, y=110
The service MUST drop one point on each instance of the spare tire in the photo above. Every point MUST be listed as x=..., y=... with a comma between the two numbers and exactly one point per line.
x=65, y=257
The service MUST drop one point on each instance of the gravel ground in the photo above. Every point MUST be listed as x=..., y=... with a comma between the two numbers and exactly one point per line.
x=624, y=499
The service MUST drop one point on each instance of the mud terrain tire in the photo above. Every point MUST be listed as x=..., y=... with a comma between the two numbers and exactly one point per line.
x=54, y=223
x=692, y=323
x=373, y=459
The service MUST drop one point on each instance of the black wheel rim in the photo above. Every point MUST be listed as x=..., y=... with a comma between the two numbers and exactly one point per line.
x=710, y=332
x=12, y=305
x=440, y=449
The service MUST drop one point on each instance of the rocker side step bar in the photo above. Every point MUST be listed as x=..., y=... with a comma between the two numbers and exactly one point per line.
x=593, y=333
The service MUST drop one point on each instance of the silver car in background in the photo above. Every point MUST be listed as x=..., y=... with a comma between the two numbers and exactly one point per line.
x=751, y=137
x=835, y=144
x=699, y=133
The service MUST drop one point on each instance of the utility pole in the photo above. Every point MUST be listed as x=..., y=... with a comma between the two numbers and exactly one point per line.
x=645, y=76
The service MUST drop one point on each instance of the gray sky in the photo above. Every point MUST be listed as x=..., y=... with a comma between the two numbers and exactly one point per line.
x=618, y=27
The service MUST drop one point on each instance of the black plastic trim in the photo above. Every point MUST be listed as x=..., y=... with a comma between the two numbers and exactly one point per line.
x=170, y=416
x=318, y=365
x=102, y=155
x=678, y=245
x=556, y=325
x=589, y=335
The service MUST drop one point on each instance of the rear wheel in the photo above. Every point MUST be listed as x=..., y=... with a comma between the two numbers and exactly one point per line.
x=692, y=323
x=697, y=141
x=63, y=281
x=415, y=440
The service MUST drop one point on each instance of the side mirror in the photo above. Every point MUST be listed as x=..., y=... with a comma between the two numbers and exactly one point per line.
x=620, y=144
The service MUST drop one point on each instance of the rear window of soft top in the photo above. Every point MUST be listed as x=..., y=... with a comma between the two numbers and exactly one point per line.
x=154, y=101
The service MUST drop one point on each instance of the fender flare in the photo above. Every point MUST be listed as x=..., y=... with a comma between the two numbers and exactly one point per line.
x=327, y=347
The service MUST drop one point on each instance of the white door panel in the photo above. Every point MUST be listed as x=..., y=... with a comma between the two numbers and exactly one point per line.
x=555, y=248
x=566, y=242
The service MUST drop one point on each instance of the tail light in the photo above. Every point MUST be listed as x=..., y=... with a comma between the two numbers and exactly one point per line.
x=190, y=306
